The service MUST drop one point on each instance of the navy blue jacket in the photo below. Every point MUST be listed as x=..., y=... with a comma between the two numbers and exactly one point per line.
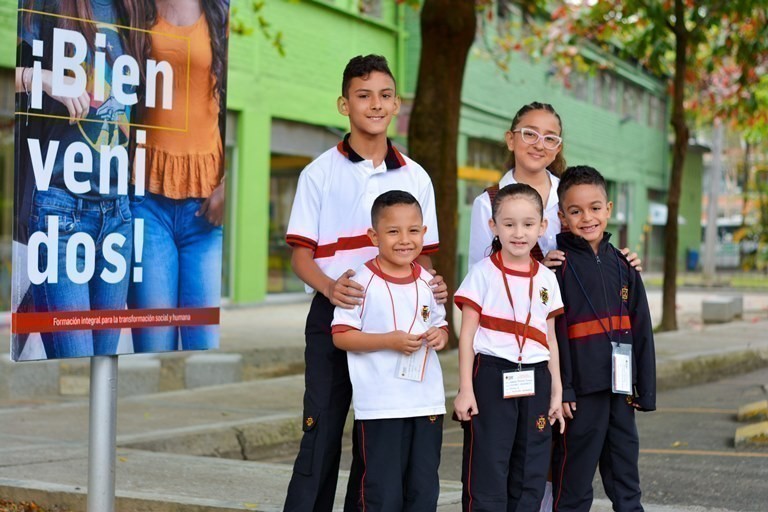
x=604, y=300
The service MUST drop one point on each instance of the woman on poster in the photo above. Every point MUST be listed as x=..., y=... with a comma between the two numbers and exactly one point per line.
x=183, y=207
x=91, y=124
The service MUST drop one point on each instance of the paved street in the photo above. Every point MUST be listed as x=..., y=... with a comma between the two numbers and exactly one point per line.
x=687, y=459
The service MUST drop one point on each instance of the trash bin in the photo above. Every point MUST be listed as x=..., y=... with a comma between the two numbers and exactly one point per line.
x=691, y=259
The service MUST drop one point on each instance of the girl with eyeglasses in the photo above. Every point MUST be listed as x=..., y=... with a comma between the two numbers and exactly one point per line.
x=536, y=159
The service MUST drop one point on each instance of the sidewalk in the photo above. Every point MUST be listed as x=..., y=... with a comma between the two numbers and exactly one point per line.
x=177, y=450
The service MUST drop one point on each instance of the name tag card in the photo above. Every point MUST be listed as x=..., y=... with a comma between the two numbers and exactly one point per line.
x=412, y=367
x=517, y=384
x=621, y=364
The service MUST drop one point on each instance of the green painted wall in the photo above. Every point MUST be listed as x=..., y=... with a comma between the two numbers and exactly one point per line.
x=8, y=33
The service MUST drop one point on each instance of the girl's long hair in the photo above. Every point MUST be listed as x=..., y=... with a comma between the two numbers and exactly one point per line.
x=75, y=12
x=217, y=15
x=557, y=167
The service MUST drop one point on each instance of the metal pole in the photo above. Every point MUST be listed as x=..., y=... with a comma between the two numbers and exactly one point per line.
x=102, y=434
x=715, y=177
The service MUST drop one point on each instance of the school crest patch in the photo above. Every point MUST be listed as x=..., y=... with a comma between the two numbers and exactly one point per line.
x=432, y=419
x=624, y=293
x=425, y=313
x=309, y=421
x=544, y=294
x=541, y=422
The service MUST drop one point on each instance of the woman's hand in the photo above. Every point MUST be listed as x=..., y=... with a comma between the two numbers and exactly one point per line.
x=78, y=108
x=213, y=207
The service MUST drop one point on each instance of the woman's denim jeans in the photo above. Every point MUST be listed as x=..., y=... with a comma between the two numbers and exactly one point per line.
x=182, y=269
x=98, y=219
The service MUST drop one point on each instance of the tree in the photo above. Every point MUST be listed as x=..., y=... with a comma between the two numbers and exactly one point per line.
x=447, y=31
x=712, y=54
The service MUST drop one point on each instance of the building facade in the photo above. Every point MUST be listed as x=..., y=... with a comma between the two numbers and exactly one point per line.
x=282, y=113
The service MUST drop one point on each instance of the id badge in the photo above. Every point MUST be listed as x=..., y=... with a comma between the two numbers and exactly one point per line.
x=621, y=368
x=518, y=383
x=413, y=366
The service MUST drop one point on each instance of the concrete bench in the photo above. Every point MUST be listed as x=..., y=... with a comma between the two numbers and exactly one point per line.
x=138, y=375
x=212, y=370
x=31, y=379
x=737, y=302
x=715, y=310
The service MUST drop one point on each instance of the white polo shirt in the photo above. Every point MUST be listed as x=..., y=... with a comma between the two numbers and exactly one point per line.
x=480, y=234
x=331, y=211
x=391, y=303
x=484, y=290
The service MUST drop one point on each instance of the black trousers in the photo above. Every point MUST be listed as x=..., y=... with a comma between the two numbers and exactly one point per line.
x=327, y=396
x=507, y=445
x=602, y=431
x=394, y=465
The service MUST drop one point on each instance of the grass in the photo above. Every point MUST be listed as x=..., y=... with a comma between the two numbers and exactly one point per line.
x=744, y=281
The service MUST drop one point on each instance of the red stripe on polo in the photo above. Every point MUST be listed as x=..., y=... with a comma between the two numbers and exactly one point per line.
x=343, y=244
x=510, y=326
x=300, y=241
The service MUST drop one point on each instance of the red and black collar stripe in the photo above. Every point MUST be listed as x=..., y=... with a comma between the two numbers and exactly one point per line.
x=393, y=160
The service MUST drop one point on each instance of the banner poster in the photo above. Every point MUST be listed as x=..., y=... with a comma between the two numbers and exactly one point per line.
x=119, y=177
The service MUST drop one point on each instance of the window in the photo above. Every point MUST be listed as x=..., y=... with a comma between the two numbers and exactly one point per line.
x=657, y=113
x=632, y=103
x=484, y=154
x=605, y=90
x=370, y=8
x=292, y=146
x=577, y=86
x=618, y=192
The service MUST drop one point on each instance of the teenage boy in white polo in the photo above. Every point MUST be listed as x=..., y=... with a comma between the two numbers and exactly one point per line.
x=397, y=383
x=328, y=233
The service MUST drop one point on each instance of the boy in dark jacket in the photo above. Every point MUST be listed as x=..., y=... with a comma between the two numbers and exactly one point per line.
x=607, y=354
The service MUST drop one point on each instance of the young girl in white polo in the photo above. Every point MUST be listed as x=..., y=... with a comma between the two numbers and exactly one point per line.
x=510, y=392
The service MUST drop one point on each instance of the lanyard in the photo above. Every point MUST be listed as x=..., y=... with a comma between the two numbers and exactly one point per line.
x=608, y=333
x=392, y=300
x=520, y=344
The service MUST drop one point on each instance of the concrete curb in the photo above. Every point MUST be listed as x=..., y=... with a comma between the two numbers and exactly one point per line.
x=702, y=369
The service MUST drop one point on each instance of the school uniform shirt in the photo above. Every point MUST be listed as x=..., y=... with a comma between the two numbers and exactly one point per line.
x=331, y=212
x=480, y=234
x=392, y=303
x=605, y=301
x=483, y=289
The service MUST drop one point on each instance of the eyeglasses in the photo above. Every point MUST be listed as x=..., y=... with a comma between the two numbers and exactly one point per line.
x=533, y=137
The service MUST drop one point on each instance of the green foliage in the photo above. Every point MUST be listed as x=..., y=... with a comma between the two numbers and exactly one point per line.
x=726, y=49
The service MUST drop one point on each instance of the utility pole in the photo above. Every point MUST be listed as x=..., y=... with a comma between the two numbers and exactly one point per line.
x=715, y=178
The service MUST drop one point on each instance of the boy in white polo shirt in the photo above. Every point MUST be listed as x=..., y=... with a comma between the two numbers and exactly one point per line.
x=391, y=339
x=328, y=233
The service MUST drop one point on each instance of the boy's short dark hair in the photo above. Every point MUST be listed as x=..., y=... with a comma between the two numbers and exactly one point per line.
x=391, y=198
x=362, y=66
x=580, y=175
